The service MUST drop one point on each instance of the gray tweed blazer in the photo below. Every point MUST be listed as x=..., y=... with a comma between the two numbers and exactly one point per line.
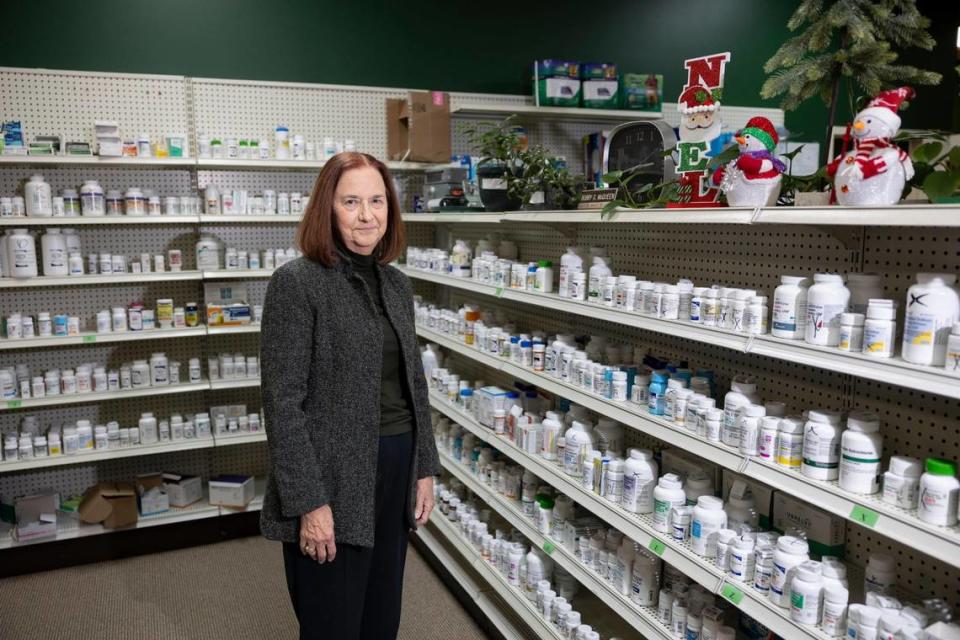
x=321, y=352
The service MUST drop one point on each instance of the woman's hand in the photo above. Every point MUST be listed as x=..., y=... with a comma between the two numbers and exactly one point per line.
x=424, y=500
x=316, y=534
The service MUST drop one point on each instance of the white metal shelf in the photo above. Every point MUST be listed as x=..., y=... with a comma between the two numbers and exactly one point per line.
x=512, y=596
x=557, y=113
x=99, y=161
x=300, y=165
x=237, y=274
x=234, y=383
x=76, y=221
x=87, y=398
x=895, y=371
x=906, y=215
x=939, y=542
x=228, y=439
x=120, y=278
x=640, y=529
x=643, y=619
x=244, y=219
x=488, y=603
x=91, y=337
x=229, y=330
x=106, y=454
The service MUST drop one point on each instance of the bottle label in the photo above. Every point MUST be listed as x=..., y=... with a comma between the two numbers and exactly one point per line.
x=877, y=339
x=919, y=329
x=824, y=316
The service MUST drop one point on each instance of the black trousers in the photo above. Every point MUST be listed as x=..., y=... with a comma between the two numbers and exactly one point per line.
x=358, y=595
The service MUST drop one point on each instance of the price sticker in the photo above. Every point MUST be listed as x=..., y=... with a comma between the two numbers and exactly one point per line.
x=13, y=404
x=499, y=292
x=656, y=546
x=89, y=338
x=864, y=516
x=548, y=547
x=731, y=593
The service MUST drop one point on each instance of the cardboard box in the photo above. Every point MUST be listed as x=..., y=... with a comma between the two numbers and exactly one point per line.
x=232, y=490
x=227, y=304
x=825, y=533
x=182, y=490
x=556, y=83
x=641, y=91
x=114, y=504
x=762, y=495
x=491, y=399
x=599, y=86
x=36, y=516
x=151, y=494
x=418, y=127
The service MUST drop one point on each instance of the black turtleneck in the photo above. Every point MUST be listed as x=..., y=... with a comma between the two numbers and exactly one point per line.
x=395, y=414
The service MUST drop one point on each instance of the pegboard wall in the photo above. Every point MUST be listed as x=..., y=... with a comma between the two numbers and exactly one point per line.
x=913, y=423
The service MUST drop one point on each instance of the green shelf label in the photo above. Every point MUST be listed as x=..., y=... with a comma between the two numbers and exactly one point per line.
x=656, y=546
x=499, y=292
x=89, y=338
x=13, y=404
x=548, y=547
x=864, y=516
x=731, y=593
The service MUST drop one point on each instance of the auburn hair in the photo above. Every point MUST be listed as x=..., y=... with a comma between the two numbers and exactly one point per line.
x=317, y=233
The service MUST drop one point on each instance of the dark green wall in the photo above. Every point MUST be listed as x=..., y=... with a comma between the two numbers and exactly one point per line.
x=484, y=46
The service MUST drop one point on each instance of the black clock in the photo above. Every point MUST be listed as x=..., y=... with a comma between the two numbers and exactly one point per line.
x=640, y=149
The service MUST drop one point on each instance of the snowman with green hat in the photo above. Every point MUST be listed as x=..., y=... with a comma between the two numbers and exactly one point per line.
x=753, y=179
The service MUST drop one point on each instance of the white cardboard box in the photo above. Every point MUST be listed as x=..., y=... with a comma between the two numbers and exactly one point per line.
x=825, y=533
x=232, y=490
x=182, y=490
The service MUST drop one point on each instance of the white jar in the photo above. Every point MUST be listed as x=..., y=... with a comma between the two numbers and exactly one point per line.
x=827, y=299
x=140, y=374
x=834, y=619
x=863, y=286
x=159, y=370
x=790, y=552
x=861, y=448
x=22, y=254
x=599, y=272
x=769, y=441
x=933, y=307
x=806, y=594
x=612, y=480
x=851, y=332
x=670, y=302
x=939, y=491
x=148, y=428
x=36, y=193
x=901, y=482
x=743, y=392
x=644, y=581
x=821, y=445
x=750, y=429
x=135, y=204
x=755, y=316
x=208, y=253
x=53, y=246
x=543, y=282
x=880, y=328
x=790, y=442
x=639, y=480
x=880, y=574
x=570, y=263
x=667, y=494
x=743, y=558
x=708, y=519
x=578, y=439
x=92, y=202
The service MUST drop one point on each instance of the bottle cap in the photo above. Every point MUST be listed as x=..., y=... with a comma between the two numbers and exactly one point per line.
x=906, y=466
x=670, y=481
x=852, y=319
x=712, y=503
x=941, y=467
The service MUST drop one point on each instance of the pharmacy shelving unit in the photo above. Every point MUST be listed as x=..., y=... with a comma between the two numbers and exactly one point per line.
x=748, y=248
x=90, y=337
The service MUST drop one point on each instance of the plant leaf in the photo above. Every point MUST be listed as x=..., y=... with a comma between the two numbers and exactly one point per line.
x=941, y=184
x=927, y=152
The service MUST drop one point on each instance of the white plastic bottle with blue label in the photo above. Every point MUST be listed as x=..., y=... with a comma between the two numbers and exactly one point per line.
x=933, y=307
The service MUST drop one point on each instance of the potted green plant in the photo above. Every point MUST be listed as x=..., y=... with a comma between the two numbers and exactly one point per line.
x=497, y=144
x=936, y=171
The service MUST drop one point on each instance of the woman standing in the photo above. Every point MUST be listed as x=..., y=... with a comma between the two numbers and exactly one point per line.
x=346, y=407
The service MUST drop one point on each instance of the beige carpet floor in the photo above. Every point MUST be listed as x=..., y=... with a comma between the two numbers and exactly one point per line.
x=232, y=591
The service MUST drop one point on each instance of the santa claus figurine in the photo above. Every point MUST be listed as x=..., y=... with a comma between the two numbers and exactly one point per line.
x=698, y=115
x=753, y=179
x=876, y=170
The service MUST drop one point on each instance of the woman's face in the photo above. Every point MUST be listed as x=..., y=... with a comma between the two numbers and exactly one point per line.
x=360, y=209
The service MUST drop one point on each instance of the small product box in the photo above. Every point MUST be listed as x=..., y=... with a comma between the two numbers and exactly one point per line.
x=641, y=91
x=182, y=490
x=825, y=533
x=151, y=494
x=556, y=83
x=227, y=304
x=36, y=516
x=232, y=490
x=600, y=85
x=491, y=399
x=762, y=495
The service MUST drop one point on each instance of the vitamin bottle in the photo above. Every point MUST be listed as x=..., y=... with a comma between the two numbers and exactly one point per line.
x=821, y=445
x=640, y=476
x=933, y=307
x=708, y=519
x=790, y=307
x=901, y=482
x=939, y=490
x=791, y=551
x=861, y=448
x=827, y=299
x=667, y=494
x=806, y=594
x=880, y=328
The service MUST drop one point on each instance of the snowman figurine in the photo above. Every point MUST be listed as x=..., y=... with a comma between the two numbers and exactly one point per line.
x=875, y=172
x=753, y=179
